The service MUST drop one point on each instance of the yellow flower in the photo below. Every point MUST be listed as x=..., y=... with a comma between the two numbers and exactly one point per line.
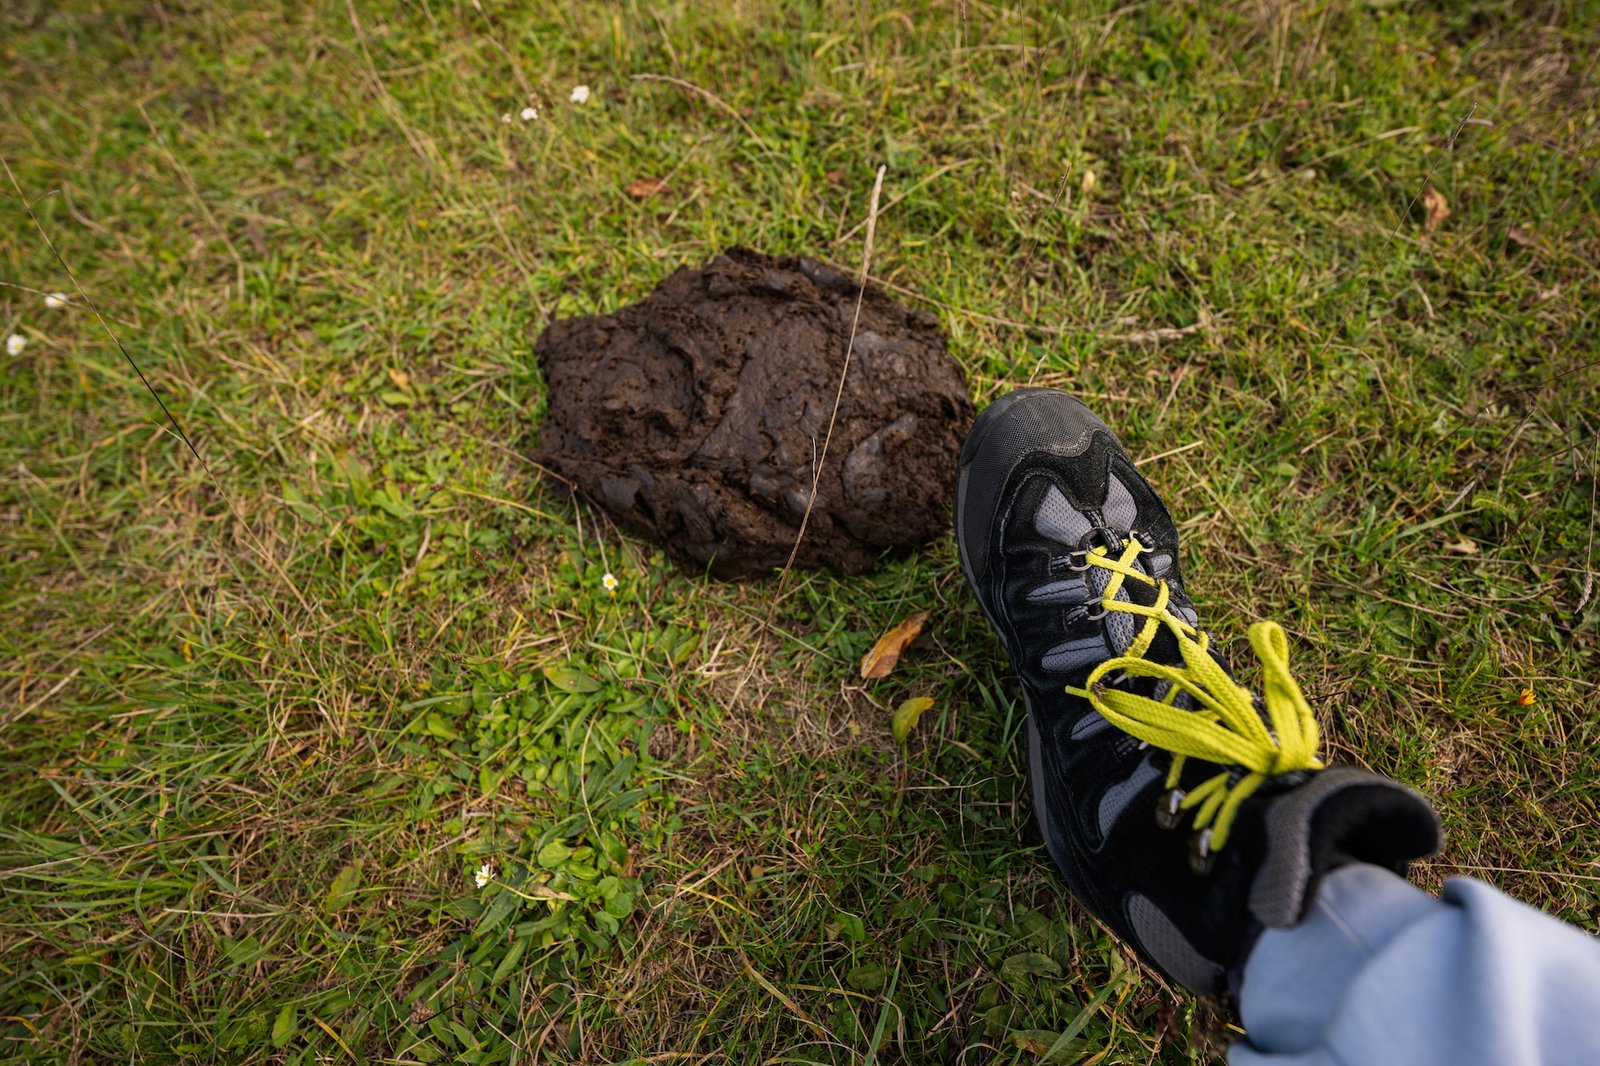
x=1527, y=698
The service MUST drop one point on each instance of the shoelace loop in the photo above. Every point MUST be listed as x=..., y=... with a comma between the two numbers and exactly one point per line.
x=1226, y=727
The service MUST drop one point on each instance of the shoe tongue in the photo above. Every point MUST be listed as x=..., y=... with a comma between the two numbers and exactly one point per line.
x=1122, y=629
x=1164, y=648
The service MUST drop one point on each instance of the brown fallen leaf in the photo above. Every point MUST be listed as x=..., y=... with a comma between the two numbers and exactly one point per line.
x=886, y=653
x=644, y=188
x=1435, y=208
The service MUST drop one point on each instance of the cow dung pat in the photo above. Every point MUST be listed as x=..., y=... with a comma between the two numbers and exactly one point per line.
x=695, y=417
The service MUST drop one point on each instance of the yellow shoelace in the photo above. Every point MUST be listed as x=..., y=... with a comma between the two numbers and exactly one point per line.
x=1225, y=728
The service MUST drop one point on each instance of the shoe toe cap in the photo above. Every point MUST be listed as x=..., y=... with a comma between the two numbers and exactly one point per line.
x=1021, y=423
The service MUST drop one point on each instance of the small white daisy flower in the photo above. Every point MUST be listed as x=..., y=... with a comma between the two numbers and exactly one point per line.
x=580, y=94
x=506, y=118
x=16, y=342
x=484, y=875
x=610, y=583
x=54, y=300
x=529, y=114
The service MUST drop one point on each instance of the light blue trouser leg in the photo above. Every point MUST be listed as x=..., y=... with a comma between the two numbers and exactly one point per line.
x=1380, y=972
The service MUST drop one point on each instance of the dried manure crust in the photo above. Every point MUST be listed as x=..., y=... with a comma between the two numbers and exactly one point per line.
x=694, y=417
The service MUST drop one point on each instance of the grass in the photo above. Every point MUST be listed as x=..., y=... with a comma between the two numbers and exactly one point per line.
x=264, y=718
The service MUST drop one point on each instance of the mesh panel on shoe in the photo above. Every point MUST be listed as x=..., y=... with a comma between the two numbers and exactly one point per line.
x=1072, y=655
x=1115, y=799
x=1059, y=521
x=1120, y=510
x=1121, y=629
x=1088, y=725
x=1171, y=950
x=1069, y=590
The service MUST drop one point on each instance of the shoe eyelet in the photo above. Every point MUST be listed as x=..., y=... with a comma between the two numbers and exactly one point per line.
x=1168, y=811
x=1091, y=614
x=1201, y=857
x=1099, y=536
x=1082, y=563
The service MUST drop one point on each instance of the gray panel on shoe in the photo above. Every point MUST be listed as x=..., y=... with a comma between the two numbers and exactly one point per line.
x=1171, y=950
x=1066, y=590
x=1183, y=701
x=1088, y=725
x=1116, y=798
x=1073, y=655
x=1059, y=521
x=1120, y=510
x=1121, y=627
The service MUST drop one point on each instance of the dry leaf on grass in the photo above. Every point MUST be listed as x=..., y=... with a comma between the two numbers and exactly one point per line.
x=886, y=653
x=906, y=715
x=1036, y=1041
x=1435, y=209
x=643, y=188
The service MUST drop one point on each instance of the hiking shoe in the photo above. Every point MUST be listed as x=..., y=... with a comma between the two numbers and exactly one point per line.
x=1186, y=812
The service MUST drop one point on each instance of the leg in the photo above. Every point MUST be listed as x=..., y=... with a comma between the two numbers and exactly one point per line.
x=1380, y=972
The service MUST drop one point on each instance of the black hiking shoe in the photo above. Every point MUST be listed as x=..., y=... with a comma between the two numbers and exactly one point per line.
x=1187, y=813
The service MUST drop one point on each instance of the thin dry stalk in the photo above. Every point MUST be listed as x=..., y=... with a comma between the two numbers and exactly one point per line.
x=838, y=396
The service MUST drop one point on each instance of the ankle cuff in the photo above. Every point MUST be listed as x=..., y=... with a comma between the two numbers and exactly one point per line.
x=1342, y=815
